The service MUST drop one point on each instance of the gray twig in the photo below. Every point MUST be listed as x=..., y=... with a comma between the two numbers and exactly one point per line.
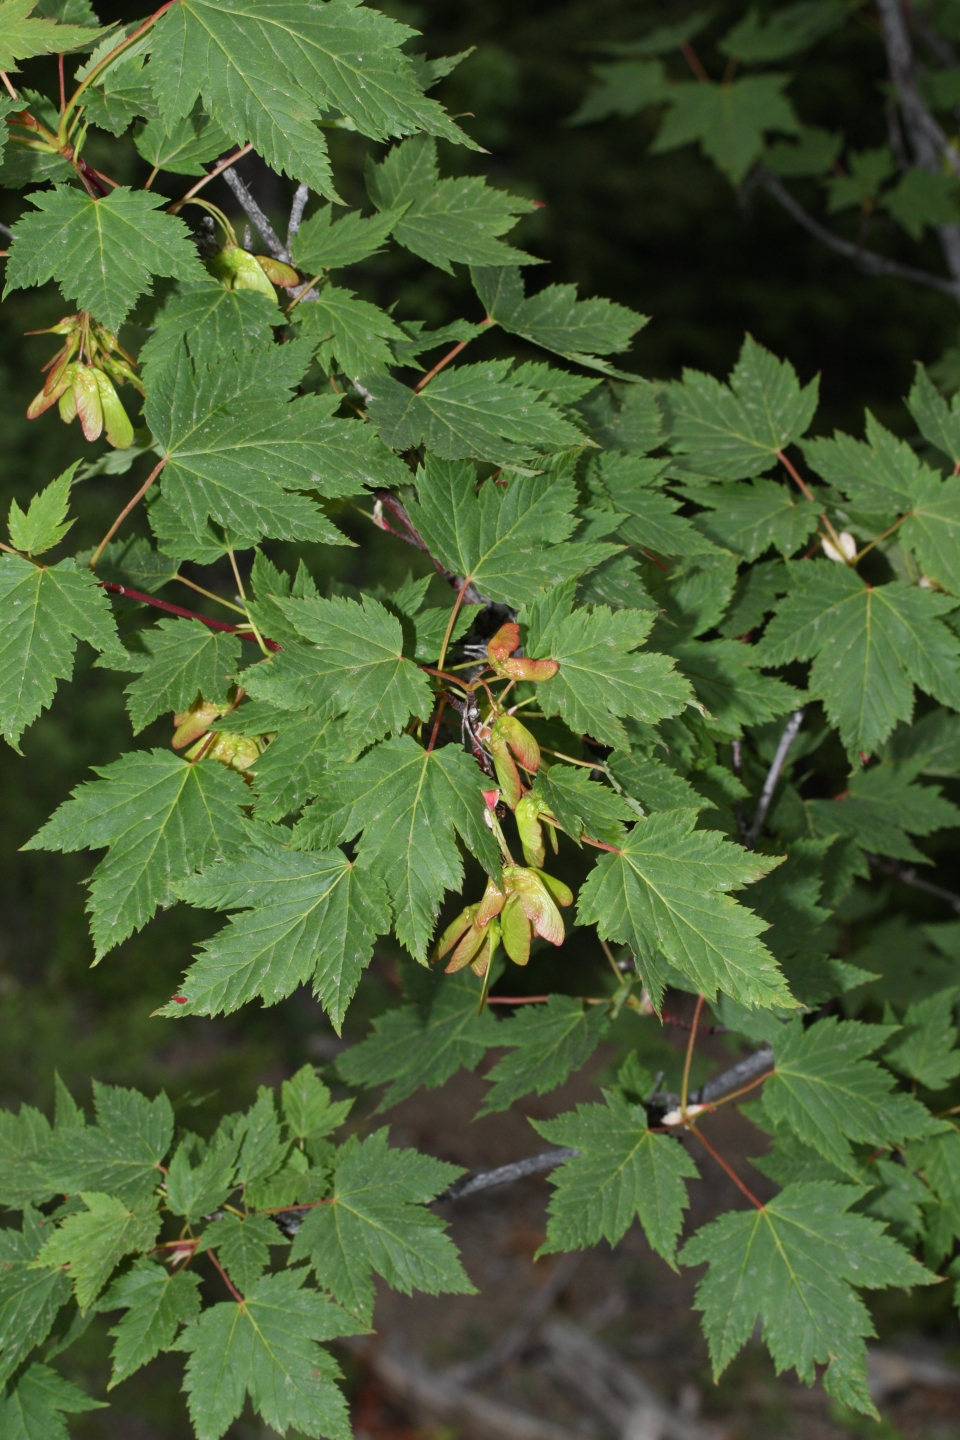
x=256, y=217
x=867, y=260
x=6, y=232
x=507, y=1174
x=773, y=775
x=296, y=210
x=909, y=876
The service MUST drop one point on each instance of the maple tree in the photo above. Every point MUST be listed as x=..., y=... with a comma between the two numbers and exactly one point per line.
x=652, y=605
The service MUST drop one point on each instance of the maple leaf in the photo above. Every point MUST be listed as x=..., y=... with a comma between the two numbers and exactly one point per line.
x=23, y=35
x=549, y=1042
x=870, y=646
x=266, y=1348
x=160, y=817
x=664, y=893
x=157, y=1304
x=753, y=517
x=734, y=431
x=444, y=220
x=579, y=330
x=730, y=121
x=792, y=1264
x=828, y=1094
x=323, y=243
x=45, y=522
x=217, y=320
x=183, y=659
x=508, y=540
x=92, y=1242
x=624, y=1171
x=35, y=1407
x=45, y=610
x=183, y=149
x=927, y=1054
x=120, y=1154
x=102, y=253
x=30, y=1299
x=267, y=75
x=582, y=805
x=409, y=803
x=938, y=420
x=374, y=1221
x=600, y=678
x=305, y=917
x=878, y=808
x=243, y=1246
x=480, y=411
x=354, y=660
x=407, y=1047
x=348, y=332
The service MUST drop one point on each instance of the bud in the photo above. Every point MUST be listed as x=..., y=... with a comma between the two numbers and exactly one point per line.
x=193, y=723
x=848, y=548
x=277, y=272
x=924, y=582
x=238, y=270
x=115, y=419
x=86, y=395
x=506, y=640
x=503, y=644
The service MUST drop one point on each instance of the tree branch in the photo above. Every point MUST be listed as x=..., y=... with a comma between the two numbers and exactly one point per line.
x=773, y=775
x=908, y=875
x=300, y=199
x=507, y=1174
x=165, y=605
x=257, y=218
x=868, y=260
x=410, y=534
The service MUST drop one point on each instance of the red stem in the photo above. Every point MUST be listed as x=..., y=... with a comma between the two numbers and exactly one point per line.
x=693, y=60
x=187, y=614
x=226, y=1279
x=724, y=1166
x=792, y=471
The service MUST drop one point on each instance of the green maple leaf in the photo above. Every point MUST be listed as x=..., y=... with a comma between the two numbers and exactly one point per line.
x=665, y=895
x=304, y=917
x=44, y=611
x=35, y=1407
x=939, y=422
x=183, y=659
x=23, y=35
x=793, y=1264
x=354, y=660
x=624, y=1171
x=600, y=678
x=785, y=32
x=582, y=805
x=407, y=1048
x=752, y=518
x=622, y=88
x=267, y=74
x=880, y=806
x=579, y=330
x=729, y=121
x=236, y=444
x=185, y=148
x=218, y=321
x=102, y=253
x=91, y=1243
x=653, y=783
x=921, y=198
x=307, y=1108
x=347, y=332
x=410, y=803
x=928, y=1054
x=550, y=1041
x=374, y=1222
x=291, y=769
x=30, y=1299
x=826, y=1091
x=444, y=220
x=869, y=645
x=932, y=530
x=243, y=1246
x=160, y=817
x=878, y=475
x=45, y=523
x=323, y=243
x=626, y=487
x=121, y=1154
x=725, y=676
x=508, y=541
x=734, y=431
x=197, y=1190
x=266, y=1348
x=157, y=1304
x=470, y=411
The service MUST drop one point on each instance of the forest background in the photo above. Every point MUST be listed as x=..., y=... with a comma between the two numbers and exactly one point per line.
x=666, y=235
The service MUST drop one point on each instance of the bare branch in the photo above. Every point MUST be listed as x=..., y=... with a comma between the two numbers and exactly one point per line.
x=908, y=875
x=773, y=775
x=867, y=260
x=6, y=232
x=296, y=210
x=507, y=1174
x=256, y=217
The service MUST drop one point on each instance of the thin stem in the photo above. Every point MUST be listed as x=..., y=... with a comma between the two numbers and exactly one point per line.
x=226, y=1279
x=243, y=597
x=125, y=512
x=218, y=169
x=243, y=631
x=217, y=214
x=909, y=876
x=735, y=1094
x=436, y=723
x=151, y=177
x=600, y=845
x=724, y=1166
x=688, y=1061
x=210, y=595
x=612, y=962
x=450, y=355
x=587, y=764
x=773, y=775
x=108, y=59
x=63, y=91
x=10, y=90
x=693, y=60
x=808, y=494
x=10, y=551
x=517, y=999
x=876, y=541
x=450, y=624
x=303, y=292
